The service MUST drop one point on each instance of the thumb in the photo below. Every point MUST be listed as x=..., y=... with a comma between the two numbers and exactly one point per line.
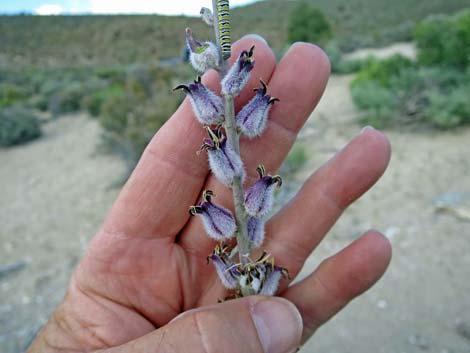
x=251, y=325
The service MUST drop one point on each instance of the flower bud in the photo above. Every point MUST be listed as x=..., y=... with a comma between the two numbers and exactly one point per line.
x=225, y=163
x=207, y=16
x=203, y=56
x=251, y=120
x=219, y=222
x=259, y=198
x=238, y=75
x=207, y=106
x=260, y=277
x=225, y=268
x=255, y=231
x=271, y=282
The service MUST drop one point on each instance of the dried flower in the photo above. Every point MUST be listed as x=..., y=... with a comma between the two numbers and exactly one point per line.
x=225, y=268
x=225, y=163
x=251, y=120
x=238, y=75
x=271, y=282
x=218, y=221
x=260, y=277
x=259, y=198
x=207, y=106
x=255, y=228
x=203, y=56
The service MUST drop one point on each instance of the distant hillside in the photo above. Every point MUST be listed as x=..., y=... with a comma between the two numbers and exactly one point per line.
x=66, y=41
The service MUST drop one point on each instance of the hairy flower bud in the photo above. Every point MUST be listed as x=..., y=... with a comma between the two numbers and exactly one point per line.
x=261, y=277
x=271, y=282
x=259, y=198
x=207, y=106
x=255, y=228
x=251, y=120
x=238, y=75
x=218, y=221
x=225, y=163
x=225, y=268
x=207, y=16
x=203, y=56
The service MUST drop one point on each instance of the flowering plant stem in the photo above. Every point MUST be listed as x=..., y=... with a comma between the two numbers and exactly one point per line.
x=234, y=139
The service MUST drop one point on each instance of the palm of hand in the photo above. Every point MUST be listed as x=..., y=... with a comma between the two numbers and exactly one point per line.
x=148, y=262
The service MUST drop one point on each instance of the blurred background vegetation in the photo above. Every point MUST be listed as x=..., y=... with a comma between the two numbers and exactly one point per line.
x=120, y=69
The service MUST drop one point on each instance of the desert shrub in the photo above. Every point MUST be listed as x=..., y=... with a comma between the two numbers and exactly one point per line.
x=133, y=112
x=67, y=100
x=11, y=94
x=94, y=101
x=391, y=96
x=444, y=40
x=449, y=110
x=308, y=24
x=18, y=125
x=339, y=64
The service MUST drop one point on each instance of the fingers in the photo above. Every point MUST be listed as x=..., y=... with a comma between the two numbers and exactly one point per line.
x=296, y=230
x=255, y=325
x=339, y=279
x=298, y=81
x=169, y=176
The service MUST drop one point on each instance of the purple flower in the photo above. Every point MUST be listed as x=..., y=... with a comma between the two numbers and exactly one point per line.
x=251, y=120
x=255, y=231
x=259, y=198
x=203, y=56
x=225, y=163
x=207, y=106
x=272, y=279
x=238, y=75
x=260, y=277
x=225, y=268
x=218, y=221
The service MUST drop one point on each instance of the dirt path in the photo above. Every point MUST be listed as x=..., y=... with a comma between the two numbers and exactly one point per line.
x=421, y=305
x=46, y=187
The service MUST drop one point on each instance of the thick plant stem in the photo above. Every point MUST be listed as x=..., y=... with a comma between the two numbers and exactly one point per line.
x=232, y=137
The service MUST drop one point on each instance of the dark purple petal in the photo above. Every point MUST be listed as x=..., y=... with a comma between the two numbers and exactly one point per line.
x=207, y=106
x=259, y=198
x=238, y=75
x=225, y=270
x=255, y=231
x=225, y=163
x=219, y=222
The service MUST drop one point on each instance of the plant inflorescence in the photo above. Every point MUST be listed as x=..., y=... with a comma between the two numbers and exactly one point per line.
x=241, y=232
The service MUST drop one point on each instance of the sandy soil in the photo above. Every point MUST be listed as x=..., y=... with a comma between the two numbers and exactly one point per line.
x=55, y=192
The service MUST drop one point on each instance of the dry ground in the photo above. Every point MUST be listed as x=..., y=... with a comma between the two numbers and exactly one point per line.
x=55, y=191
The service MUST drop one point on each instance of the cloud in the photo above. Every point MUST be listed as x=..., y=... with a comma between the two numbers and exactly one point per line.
x=49, y=9
x=173, y=7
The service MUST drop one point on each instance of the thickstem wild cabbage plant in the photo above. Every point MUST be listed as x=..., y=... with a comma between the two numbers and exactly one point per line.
x=240, y=233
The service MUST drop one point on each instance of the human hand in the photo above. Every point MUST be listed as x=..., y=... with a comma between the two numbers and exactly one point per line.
x=147, y=264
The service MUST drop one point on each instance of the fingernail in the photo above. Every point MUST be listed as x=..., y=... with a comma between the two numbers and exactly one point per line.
x=257, y=37
x=278, y=323
x=367, y=128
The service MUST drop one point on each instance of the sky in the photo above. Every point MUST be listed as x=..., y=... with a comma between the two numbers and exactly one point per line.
x=57, y=7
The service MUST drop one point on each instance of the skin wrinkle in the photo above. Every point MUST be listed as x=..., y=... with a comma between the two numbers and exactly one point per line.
x=201, y=333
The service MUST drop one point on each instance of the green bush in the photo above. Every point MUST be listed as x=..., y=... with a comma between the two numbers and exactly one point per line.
x=11, y=94
x=308, y=24
x=67, y=100
x=94, y=101
x=444, y=40
x=18, y=125
x=449, y=110
x=339, y=65
x=133, y=112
